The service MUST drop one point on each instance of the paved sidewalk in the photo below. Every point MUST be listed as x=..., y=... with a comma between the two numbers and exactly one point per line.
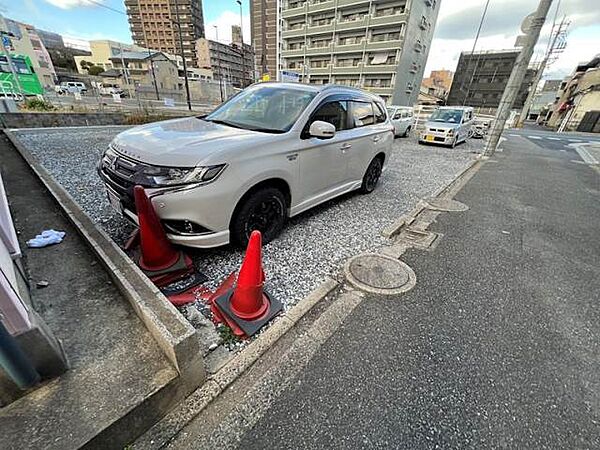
x=497, y=346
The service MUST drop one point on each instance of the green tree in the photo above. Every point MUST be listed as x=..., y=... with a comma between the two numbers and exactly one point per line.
x=95, y=70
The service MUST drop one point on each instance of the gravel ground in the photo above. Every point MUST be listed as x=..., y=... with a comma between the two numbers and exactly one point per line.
x=312, y=246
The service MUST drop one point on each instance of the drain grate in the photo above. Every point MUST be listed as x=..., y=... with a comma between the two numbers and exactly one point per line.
x=445, y=204
x=381, y=274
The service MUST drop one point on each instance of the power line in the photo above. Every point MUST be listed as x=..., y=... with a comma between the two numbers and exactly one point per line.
x=102, y=5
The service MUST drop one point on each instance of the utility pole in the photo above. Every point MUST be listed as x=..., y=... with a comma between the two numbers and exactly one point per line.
x=516, y=77
x=242, y=44
x=219, y=62
x=153, y=74
x=125, y=73
x=555, y=46
x=185, y=75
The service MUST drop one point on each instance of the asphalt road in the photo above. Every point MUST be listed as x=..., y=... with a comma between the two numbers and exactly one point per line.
x=497, y=346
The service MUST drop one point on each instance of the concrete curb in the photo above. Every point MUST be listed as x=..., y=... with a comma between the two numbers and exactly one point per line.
x=406, y=219
x=164, y=430
x=173, y=333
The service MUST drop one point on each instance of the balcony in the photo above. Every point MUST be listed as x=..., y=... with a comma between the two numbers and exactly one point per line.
x=348, y=70
x=380, y=68
x=351, y=24
x=297, y=32
x=319, y=50
x=349, y=48
x=294, y=12
x=318, y=29
x=388, y=20
x=292, y=53
x=384, y=45
x=351, y=2
x=321, y=6
x=319, y=70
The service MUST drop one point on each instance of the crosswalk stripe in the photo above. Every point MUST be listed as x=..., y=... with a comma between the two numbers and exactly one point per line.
x=575, y=140
x=534, y=137
x=554, y=139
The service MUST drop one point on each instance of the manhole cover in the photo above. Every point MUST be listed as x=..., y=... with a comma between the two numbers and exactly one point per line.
x=445, y=204
x=380, y=274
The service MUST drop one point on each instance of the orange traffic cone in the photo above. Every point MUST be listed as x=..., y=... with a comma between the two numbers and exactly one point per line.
x=247, y=304
x=158, y=259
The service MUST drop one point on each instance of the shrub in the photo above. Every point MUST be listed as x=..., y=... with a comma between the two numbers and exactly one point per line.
x=36, y=104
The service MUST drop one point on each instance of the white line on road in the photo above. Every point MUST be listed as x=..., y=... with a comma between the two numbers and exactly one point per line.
x=554, y=139
x=574, y=140
x=584, y=154
x=534, y=137
x=514, y=135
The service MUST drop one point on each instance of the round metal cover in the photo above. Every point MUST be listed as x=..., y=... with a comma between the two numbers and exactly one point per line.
x=380, y=274
x=445, y=204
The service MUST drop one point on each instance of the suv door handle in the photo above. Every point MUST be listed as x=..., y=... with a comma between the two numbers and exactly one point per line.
x=376, y=139
x=346, y=146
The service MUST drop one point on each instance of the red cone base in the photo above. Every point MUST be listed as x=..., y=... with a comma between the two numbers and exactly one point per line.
x=246, y=304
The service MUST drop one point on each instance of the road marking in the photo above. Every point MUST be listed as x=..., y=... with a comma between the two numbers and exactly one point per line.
x=514, y=135
x=534, y=137
x=587, y=157
x=574, y=140
x=554, y=139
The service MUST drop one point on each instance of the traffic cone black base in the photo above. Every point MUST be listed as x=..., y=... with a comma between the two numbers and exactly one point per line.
x=183, y=263
x=249, y=327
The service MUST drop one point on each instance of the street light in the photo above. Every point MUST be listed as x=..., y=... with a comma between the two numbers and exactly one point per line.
x=185, y=75
x=239, y=2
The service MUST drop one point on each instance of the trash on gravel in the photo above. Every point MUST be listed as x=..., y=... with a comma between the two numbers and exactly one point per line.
x=48, y=237
x=42, y=284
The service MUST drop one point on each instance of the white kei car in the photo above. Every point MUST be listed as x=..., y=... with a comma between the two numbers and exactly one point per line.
x=269, y=153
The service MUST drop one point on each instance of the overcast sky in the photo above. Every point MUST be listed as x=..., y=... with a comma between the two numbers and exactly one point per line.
x=458, y=20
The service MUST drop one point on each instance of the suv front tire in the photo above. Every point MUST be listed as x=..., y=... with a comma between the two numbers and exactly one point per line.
x=265, y=210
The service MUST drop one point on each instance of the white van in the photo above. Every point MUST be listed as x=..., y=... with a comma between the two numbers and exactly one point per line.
x=448, y=125
x=402, y=118
x=70, y=87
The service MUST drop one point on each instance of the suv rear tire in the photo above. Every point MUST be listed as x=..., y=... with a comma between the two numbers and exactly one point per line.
x=264, y=210
x=372, y=175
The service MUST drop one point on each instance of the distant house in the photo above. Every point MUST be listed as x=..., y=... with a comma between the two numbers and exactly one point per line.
x=578, y=105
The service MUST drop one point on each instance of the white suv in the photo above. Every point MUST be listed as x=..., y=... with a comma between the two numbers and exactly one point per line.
x=269, y=153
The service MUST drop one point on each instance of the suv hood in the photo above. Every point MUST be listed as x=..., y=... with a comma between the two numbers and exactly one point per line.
x=445, y=126
x=186, y=142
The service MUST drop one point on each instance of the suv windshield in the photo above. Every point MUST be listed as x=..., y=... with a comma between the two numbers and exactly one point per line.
x=446, y=115
x=271, y=109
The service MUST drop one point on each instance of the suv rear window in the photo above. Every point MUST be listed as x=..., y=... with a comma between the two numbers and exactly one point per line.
x=362, y=114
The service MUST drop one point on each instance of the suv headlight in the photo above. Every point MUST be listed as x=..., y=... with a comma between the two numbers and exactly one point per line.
x=174, y=176
x=451, y=132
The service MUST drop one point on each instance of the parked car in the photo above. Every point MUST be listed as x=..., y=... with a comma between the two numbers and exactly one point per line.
x=271, y=152
x=448, y=125
x=480, y=128
x=70, y=87
x=110, y=89
x=402, y=118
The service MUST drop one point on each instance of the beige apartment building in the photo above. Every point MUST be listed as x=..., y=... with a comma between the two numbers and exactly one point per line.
x=377, y=45
x=155, y=24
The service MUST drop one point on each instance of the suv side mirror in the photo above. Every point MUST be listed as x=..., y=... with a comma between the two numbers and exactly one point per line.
x=321, y=130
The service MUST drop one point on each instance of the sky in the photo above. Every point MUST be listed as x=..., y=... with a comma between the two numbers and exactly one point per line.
x=455, y=30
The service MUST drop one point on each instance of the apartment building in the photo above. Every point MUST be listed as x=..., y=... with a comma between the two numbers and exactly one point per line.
x=481, y=77
x=226, y=62
x=24, y=39
x=264, y=24
x=155, y=24
x=377, y=45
